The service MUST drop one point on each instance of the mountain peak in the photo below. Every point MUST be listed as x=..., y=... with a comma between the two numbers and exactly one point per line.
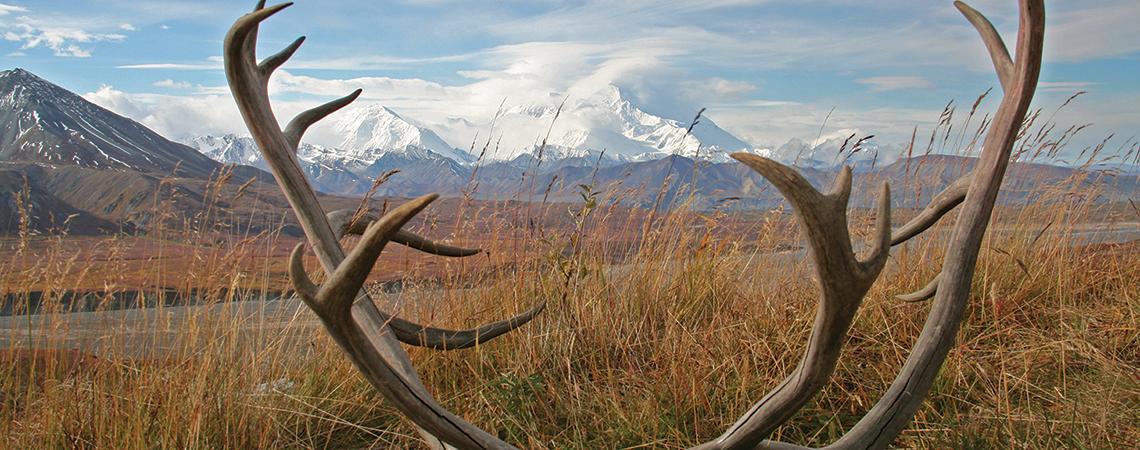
x=373, y=130
x=606, y=119
x=27, y=86
x=44, y=123
x=19, y=73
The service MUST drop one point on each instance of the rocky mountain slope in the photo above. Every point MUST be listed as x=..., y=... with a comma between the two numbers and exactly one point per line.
x=42, y=122
x=66, y=163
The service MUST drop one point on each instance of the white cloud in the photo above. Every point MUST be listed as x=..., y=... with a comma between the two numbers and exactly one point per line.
x=171, y=84
x=884, y=84
x=62, y=37
x=767, y=123
x=170, y=115
x=207, y=111
x=62, y=41
x=6, y=9
x=127, y=27
x=718, y=88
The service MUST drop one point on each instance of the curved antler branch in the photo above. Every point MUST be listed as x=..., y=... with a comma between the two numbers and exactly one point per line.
x=345, y=221
x=938, y=207
x=926, y=293
x=844, y=281
x=297, y=127
x=1003, y=64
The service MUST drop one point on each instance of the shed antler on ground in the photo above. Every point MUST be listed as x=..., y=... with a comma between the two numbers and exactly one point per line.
x=370, y=336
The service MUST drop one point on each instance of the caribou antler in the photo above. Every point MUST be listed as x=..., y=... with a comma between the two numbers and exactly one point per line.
x=1019, y=78
x=844, y=281
x=367, y=335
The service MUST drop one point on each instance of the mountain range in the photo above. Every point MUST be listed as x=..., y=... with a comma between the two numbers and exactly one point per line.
x=603, y=129
x=67, y=163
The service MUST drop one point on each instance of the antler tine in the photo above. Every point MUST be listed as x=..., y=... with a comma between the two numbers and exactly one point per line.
x=341, y=289
x=416, y=334
x=1003, y=64
x=409, y=239
x=926, y=293
x=304, y=285
x=844, y=282
x=938, y=207
x=882, y=243
x=297, y=127
x=343, y=223
x=273, y=62
x=443, y=339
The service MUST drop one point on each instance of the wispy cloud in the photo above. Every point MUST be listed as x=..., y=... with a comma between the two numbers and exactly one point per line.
x=6, y=9
x=895, y=83
x=64, y=37
x=1065, y=86
x=173, y=66
x=171, y=84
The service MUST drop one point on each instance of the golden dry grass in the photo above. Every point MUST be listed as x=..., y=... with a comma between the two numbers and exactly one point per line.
x=661, y=329
x=662, y=350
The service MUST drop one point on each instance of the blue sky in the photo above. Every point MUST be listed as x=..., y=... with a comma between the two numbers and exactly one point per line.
x=767, y=70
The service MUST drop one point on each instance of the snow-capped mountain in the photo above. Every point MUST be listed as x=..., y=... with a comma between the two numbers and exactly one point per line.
x=372, y=137
x=46, y=123
x=329, y=170
x=373, y=130
x=607, y=120
x=229, y=149
x=602, y=129
x=844, y=147
x=234, y=149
